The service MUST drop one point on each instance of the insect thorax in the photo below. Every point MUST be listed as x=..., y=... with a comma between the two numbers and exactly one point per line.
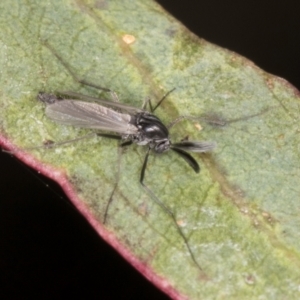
x=151, y=131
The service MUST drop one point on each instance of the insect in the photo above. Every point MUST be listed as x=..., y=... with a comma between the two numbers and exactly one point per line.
x=132, y=125
x=122, y=122
x=128, y=124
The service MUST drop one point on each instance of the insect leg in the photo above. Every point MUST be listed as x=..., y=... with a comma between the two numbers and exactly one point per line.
x=166, y=209
x=180, y=118
x=216, y=120
x=56, y=144
x=127, y=143
x=76, y=78
x=109, y=136
x=161, y=100
x=148, y=101
x=53, y=144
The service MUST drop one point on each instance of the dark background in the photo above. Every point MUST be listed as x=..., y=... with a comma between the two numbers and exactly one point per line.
x=47, y=249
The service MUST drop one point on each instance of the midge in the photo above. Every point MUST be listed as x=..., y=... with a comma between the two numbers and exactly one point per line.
x=128, y=124
x=132, y=125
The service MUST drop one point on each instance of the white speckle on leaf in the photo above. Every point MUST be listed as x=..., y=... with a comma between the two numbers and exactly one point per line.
x=128, y=39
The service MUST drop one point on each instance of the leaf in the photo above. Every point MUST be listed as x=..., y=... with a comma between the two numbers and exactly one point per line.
x=240, y=214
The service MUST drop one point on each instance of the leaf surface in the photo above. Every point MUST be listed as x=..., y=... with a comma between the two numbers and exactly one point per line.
x=240, y=214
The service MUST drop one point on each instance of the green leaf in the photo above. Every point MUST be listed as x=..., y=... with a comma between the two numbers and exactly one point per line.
x=240, y=214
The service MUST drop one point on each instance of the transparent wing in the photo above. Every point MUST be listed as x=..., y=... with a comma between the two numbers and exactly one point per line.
x=117, y=105
x=194, y=146
x=89, y=115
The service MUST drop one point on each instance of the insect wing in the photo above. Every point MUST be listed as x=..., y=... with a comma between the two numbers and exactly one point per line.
x=89, y=115
x=112, y=104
